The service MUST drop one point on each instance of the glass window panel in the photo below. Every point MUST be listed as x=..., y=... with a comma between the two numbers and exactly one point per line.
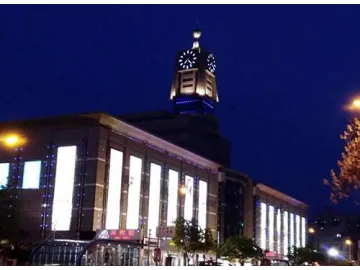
x=263, y=213
x=4, y=174
x=132, y=216
x=271, y=228
x=202, y=204
x=172, y=201
x=292, y=233
x=189, y=197
x=114, y=190
x=64, y=187
x=278, y=230
x=32, y=173
x=303, y=232
x=286, y=232
x=154, y=197
x=297, y=231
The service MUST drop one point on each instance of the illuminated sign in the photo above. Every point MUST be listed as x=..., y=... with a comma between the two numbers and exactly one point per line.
x=172, y=197
x=64, y=187
x=125, y=235
x=4, y=174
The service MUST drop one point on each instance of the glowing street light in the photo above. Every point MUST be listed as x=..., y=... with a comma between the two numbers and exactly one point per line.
x=349, y=243
x=354, y=105
x=11, y=140
x=333, y=252
x=311, y=230
x=182, y=190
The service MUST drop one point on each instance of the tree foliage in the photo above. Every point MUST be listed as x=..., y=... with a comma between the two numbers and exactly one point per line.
x=298, y=256
x=190, y=238
x=238, y=248
x=347, y=180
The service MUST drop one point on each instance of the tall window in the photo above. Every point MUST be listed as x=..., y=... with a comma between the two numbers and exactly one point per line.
x=278, y=230
x=286, y=232
x=4, y=174
x=297, y=221
x=292, y=230
x=64, y=187
x=202, y=204
x=189, y=197
x=172, y=201
x=132, y=216
x=271, y=228
x=31, y=177
x=303, y=232
x=263, y=214
x=154, y=197
x=114, y=190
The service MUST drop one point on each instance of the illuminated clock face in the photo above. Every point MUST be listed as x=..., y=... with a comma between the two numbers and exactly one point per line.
x=187, y=59
x=211, y=63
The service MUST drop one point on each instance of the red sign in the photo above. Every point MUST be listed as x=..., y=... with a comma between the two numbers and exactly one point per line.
x=270, y=254
x=129, y=235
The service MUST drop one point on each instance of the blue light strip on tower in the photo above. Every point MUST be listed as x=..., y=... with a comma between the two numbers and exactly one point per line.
x=186, y=101
x=212, y=107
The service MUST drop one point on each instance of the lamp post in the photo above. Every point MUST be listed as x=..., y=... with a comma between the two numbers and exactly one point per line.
x=348, y=243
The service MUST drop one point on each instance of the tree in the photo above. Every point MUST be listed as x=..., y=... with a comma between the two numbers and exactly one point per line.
x=238, y=248
x=300, y=255
x=190, y=238
x=347, y=181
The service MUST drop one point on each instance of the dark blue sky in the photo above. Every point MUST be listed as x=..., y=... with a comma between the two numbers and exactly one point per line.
x=283, y=74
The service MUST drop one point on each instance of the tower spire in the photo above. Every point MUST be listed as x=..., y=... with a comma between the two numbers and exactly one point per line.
x=196, y=36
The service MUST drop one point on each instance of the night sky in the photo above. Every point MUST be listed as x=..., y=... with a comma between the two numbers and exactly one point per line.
x=283, y=75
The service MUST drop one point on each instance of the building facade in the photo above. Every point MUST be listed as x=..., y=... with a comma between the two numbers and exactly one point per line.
x=78, y=174
x=280, y=221
x=235, y=196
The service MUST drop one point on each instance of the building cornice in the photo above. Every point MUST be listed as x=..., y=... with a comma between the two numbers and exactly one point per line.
x=279, y=195
x=128, y=130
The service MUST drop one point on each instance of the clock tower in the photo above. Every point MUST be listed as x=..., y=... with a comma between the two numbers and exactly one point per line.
x=194, y=89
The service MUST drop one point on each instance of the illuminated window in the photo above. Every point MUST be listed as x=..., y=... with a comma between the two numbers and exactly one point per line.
x=286, y=232
x=32, y=172
x=154, y=197
x=278, y=230
x=173, y=185
x=263, y=226
x=297, y=230
x=202, y=204
x=292, y=238
x=303, y=232
x=114, y=190
x=189, y=197
x=64, y=186
x=132, y=216
x=271, y=228
x=4, y=174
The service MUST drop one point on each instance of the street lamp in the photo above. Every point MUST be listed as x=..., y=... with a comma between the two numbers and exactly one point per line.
x=12, y=140
x=354, y=105
x=311, y=230
x=182, y=190
x=349, y=243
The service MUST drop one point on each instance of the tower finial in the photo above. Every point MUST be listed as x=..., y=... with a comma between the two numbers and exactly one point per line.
x=196, y=36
